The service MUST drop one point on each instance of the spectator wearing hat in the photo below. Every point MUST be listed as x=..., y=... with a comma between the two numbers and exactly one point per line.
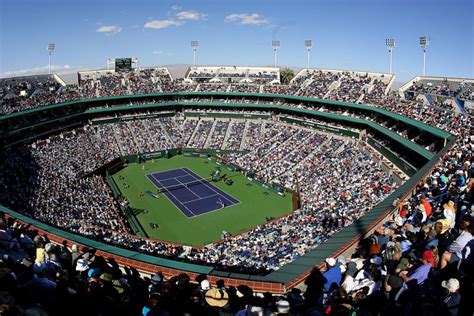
x=454, y=251
x=420, y=274
x=443, y=234
x=421, y=216
x=40, y=253
x=449, y=212
x=82, y=265
x=435, y=189
x=370, y=277
x=283, y=307
x=451, y=298
x=156, y=283
x=216, y=297
x=205, y=285
x=333, y=274
x=351, y=271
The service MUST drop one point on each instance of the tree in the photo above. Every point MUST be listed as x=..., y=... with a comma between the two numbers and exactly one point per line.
x=286, y=75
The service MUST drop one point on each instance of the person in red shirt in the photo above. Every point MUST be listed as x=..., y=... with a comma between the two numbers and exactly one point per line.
x=427, y=205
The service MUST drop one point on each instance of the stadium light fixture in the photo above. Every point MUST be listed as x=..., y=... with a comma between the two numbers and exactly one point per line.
x=424, y=46
x=275, y=46
x=51, y=48
x=194, y=46
x=110, y=61
x=308, y=44
x=390, y=43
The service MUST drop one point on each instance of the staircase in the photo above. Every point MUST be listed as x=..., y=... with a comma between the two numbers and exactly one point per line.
x=194, y=133
x=244, y=135
x=227, y=133
x=170, y=139
x=459, y=105
x=119, y=144
x=304, y=85
x=209, y=137
x=340, y=149
x=333, y=86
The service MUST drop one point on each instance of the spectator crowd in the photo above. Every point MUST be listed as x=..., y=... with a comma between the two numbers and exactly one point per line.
x=419, y=261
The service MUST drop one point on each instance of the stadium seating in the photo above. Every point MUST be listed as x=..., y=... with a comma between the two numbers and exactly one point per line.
x=340, y=181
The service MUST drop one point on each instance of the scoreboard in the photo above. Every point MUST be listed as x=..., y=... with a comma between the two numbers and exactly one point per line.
x=123, y=64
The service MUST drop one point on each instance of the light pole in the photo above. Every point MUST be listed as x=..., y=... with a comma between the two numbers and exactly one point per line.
x=424, y=46
x=194, y=46
x=110, y=61
x=390, y=43
x=275, y=46
x=51, y=48
x=308, y=44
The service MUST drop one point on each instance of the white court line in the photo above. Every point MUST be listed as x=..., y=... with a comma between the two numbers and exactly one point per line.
x=167, y=170
x=172, y=195
x=187, y=187
x=209, y=187
x=201, y=198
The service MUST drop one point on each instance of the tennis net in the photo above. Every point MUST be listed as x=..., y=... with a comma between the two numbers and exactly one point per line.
x=184, y=185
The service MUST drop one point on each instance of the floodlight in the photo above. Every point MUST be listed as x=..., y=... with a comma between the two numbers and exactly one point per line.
x=194, y=46
x=51, y=48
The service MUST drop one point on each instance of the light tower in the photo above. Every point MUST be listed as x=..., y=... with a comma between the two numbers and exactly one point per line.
x=51, y=48
x=275, y=46
x=308, y=44
x=424, y=46
x=110, y=61
x=390, y=43
x=194, y=46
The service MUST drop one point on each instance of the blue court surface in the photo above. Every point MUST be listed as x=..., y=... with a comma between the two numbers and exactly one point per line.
x=190, y=193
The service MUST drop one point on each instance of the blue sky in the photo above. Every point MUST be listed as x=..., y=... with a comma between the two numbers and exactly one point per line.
x=347, y=34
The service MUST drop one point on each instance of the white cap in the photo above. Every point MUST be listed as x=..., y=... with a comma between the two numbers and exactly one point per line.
x=452, y=285
x=205, y=285
x=331, y=261
x=283, y=306
x=82, y=265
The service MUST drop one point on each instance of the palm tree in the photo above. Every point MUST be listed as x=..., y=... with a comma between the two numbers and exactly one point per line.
x=286, y=75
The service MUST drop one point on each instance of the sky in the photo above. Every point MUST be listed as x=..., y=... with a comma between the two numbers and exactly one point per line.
x=346, y=34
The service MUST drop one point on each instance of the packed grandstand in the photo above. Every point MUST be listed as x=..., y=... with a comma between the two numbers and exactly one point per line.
x=54, y=151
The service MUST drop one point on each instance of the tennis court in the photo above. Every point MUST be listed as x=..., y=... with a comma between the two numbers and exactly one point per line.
x=190, y=193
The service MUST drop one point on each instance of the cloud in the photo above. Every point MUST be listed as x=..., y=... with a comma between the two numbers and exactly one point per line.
x=176, y=8
x=191, y=15
x=109, y=29
x=161, y=24
x=157, y=52
x=60, y=69
x=244, y=18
